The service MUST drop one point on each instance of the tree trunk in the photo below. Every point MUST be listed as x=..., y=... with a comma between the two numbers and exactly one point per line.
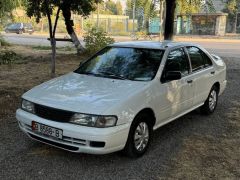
x=69, y=26
x=53, y=62
x=169, y=24
x=52, y=39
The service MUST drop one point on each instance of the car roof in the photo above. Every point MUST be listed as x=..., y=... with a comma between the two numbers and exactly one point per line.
x=151, y=44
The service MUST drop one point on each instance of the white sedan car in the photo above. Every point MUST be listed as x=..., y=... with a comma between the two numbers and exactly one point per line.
x=115, y=99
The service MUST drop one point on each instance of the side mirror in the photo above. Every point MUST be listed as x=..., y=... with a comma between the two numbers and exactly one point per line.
x=173, y=75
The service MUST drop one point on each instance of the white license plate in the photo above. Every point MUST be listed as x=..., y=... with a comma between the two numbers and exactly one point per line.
x=47, y=130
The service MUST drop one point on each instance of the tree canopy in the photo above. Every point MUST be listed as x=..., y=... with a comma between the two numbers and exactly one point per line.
x=232, y=7
x=110, y=7
x=7, y=6
x=39, y=8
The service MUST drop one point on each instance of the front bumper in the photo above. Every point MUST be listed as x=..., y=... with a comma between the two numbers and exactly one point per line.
x=76, y=138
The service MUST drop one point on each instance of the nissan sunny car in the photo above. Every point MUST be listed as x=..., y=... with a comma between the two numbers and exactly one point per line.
x=116, y=99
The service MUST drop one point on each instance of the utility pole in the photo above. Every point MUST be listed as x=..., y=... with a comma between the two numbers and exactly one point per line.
x=133, y=14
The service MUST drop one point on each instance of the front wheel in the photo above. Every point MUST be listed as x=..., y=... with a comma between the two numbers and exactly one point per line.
x=139, y=137
x=211, y=102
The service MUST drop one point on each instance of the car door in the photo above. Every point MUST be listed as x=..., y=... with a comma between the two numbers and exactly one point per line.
x=179, y=93
x=202, y=74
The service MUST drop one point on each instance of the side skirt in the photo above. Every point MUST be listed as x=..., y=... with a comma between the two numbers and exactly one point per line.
x=172, y=119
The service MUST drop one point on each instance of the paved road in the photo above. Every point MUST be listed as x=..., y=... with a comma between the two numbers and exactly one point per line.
x=34, y=40
x=221, y=47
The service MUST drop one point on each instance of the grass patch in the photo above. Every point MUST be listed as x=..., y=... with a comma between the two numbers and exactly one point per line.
x=10, y=57
x=46, y=48
x=42, y=48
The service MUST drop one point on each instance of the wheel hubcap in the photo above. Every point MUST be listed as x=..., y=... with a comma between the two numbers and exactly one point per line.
x=141, y=136
x=212, y=100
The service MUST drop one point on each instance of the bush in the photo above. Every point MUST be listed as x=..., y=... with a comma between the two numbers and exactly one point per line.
x=3, y=42
x=8, y=57
x=96, y=39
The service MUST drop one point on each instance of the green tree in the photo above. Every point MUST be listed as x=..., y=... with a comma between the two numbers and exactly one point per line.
x=103, y=9
x=7, y=6
x=41, y=8
x=111, y=6
x=144, y=9
x=119, y=8
x=232, y=8
x=188, y=7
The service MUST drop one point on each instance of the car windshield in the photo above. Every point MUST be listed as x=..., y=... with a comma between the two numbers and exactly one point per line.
x=123, y=63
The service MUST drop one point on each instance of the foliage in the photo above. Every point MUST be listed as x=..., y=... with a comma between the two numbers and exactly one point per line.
x=144, y=9
x=3, y=42
x=119, y=8
x=7, y=6
x=232, y=6
x=110, y=7
x=194, y=6
x=141, y=4
x=8, y=57
x=96, y=39
x=184, y=7
x=38, y=8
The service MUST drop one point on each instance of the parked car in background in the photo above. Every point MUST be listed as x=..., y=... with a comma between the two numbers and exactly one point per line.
x=19, y=28
x=115, y=100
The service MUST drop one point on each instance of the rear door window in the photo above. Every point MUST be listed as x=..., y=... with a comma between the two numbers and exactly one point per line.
x=178, y=61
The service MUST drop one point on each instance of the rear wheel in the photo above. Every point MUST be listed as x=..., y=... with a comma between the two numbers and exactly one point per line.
x=139, y=137
x=211, y=102
x=20, y=32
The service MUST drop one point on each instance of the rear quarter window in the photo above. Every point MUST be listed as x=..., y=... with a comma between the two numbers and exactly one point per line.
x=198, y=58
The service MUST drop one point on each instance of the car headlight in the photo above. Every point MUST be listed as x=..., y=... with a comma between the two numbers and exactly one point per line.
x=28, y=106
x=94, y=120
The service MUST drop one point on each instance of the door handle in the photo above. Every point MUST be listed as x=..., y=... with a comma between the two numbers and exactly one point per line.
x=189, y=81
x=213, y=72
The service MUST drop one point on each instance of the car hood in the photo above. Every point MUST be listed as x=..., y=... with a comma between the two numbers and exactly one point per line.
x=83, y=93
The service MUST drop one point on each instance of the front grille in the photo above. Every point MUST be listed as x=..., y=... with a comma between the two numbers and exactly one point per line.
x=52, y=113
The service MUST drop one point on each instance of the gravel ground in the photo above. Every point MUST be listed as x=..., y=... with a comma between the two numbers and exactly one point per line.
x=191, y=147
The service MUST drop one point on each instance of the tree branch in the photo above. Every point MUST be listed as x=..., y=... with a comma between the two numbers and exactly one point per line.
x=46, y=2
x=56, y=21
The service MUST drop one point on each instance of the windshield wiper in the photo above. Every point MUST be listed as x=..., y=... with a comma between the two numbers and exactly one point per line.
x=110, y=74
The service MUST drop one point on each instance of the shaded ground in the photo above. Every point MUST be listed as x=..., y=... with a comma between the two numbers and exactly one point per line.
x=192, y=147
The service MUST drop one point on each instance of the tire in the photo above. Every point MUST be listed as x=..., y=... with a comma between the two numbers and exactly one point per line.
x=20, y=32
x=211, y=102
x=138, y=139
